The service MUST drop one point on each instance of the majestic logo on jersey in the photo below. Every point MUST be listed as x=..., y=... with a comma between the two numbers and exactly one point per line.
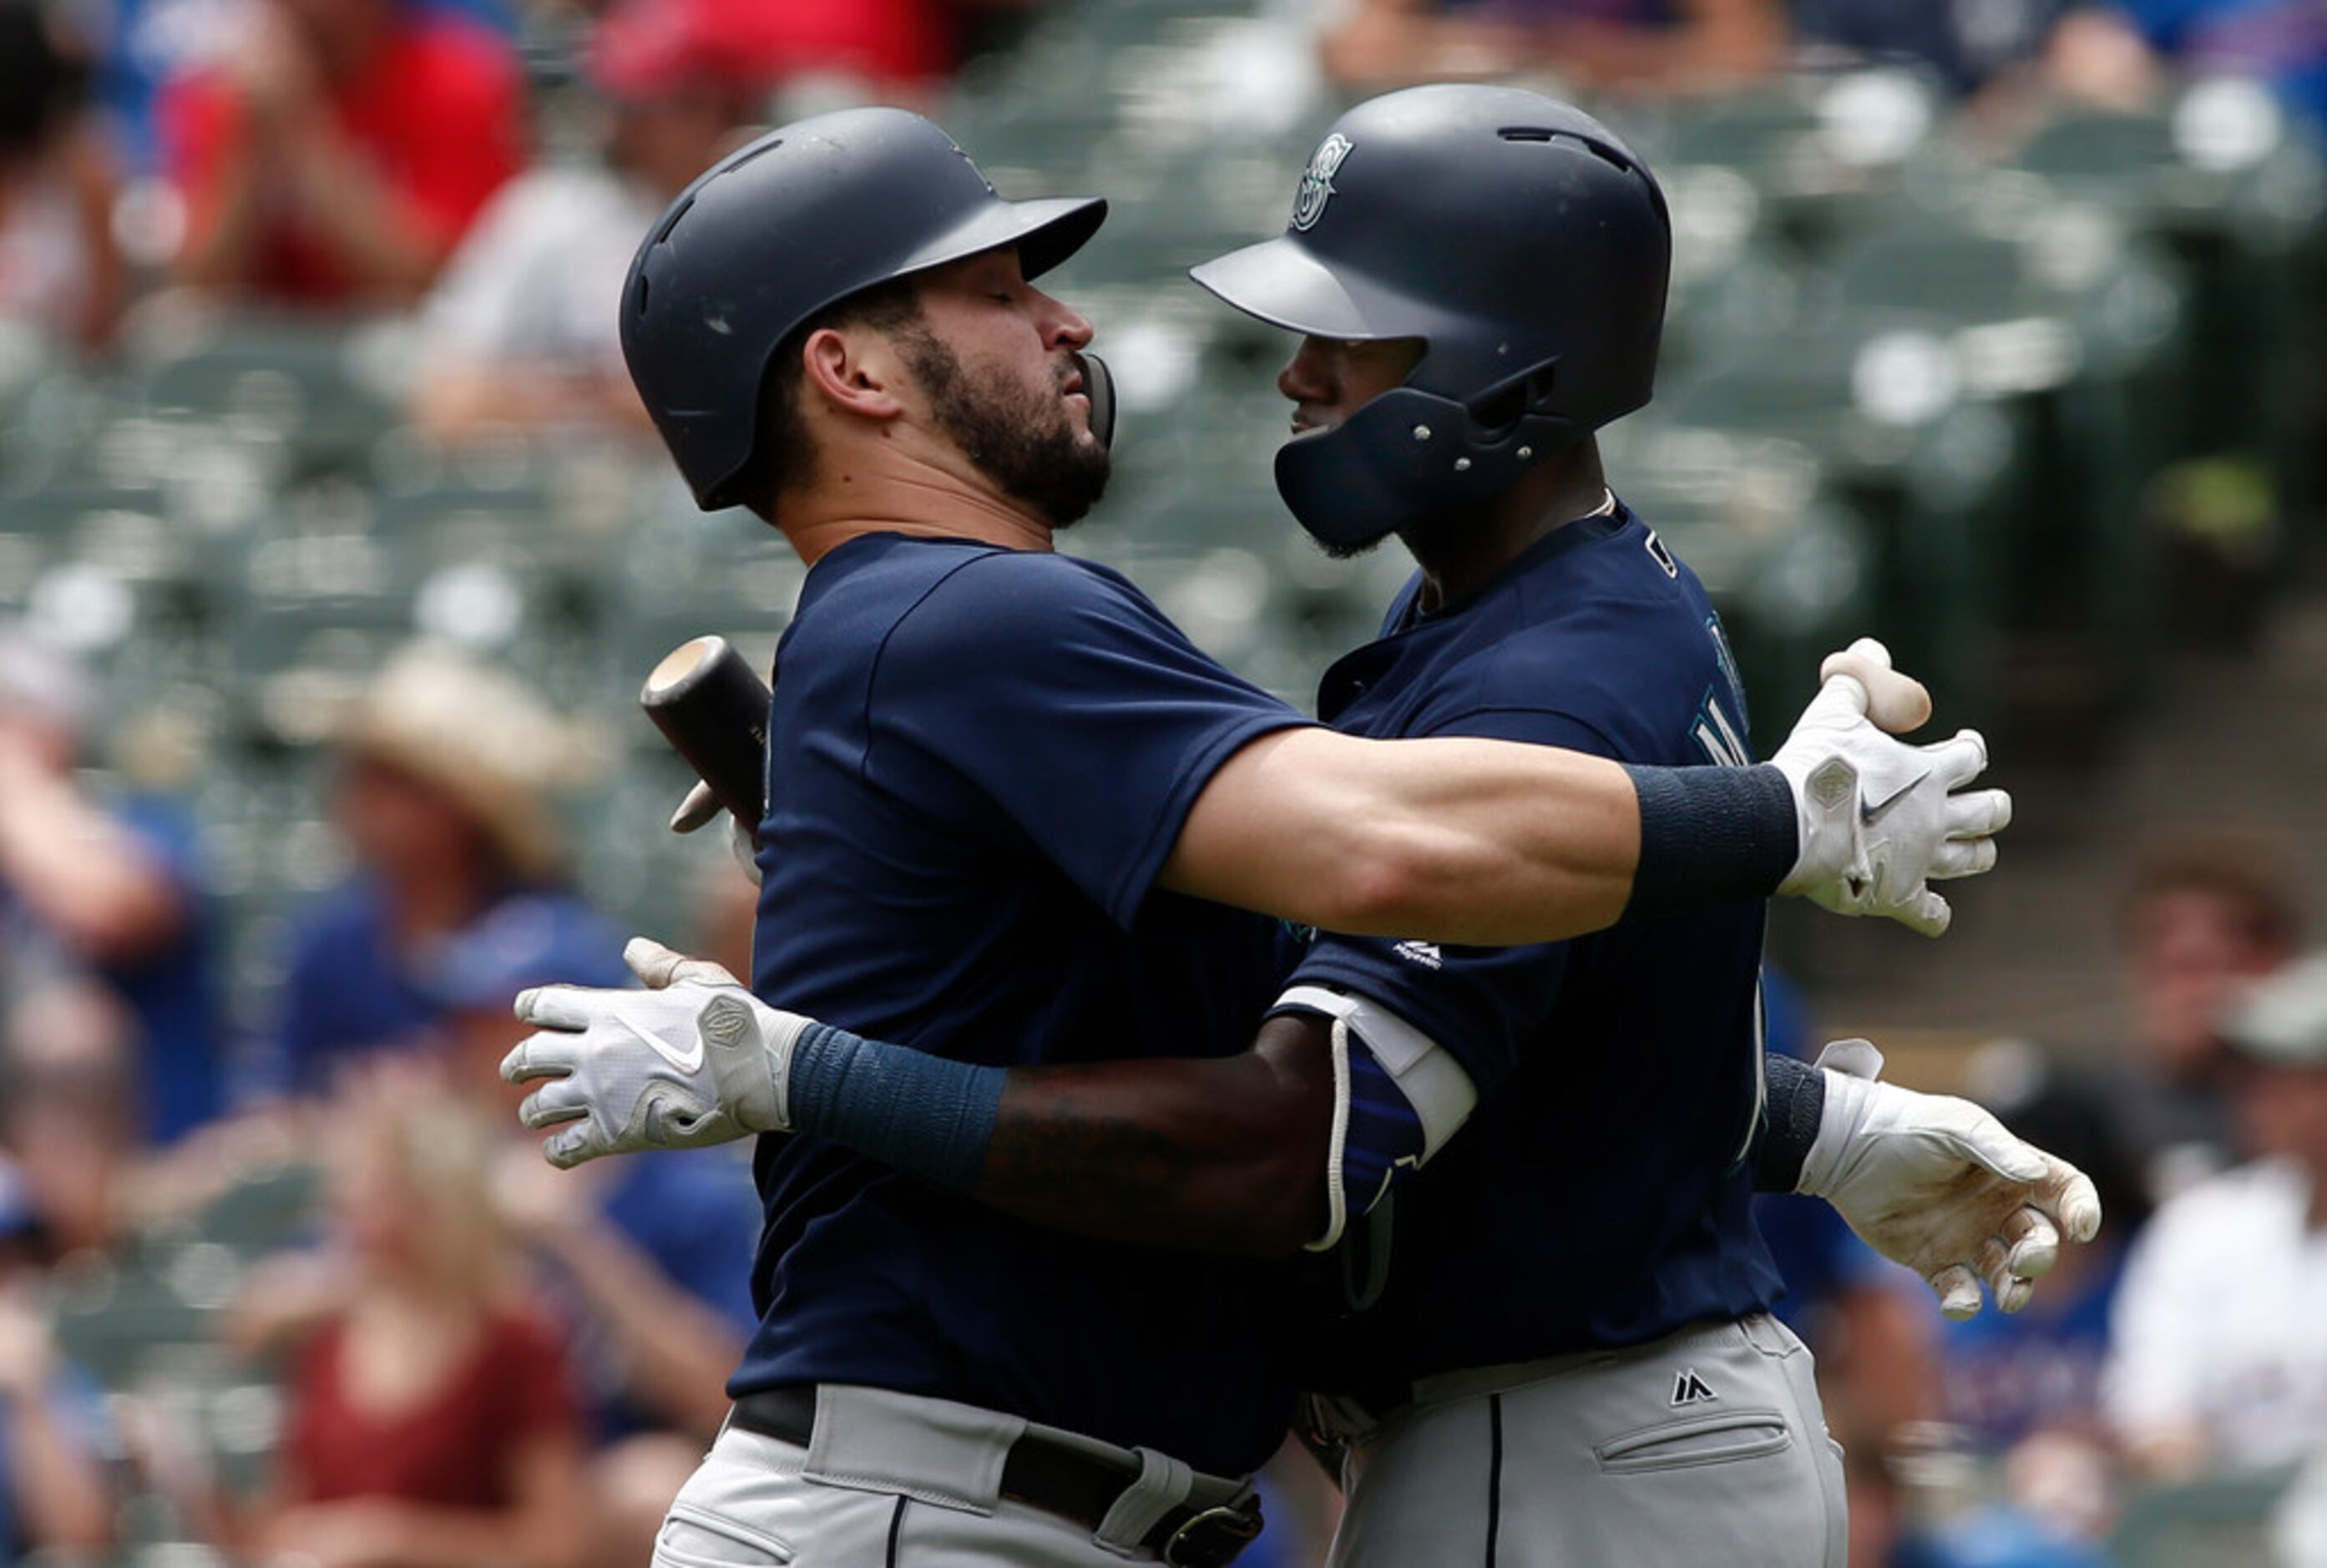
x=1688, y=1389
x=1317, y=182
x=1426, y=953
x=1662, y=554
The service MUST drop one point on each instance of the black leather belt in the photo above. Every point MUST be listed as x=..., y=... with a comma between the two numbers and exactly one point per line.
x=1053, y=1477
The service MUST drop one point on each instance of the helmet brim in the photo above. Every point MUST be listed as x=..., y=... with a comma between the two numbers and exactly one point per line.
x=1046, y=232
x=1279, y=281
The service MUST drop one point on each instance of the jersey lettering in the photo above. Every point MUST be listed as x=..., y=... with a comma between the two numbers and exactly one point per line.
x=1717, y=736
x=1728, y=662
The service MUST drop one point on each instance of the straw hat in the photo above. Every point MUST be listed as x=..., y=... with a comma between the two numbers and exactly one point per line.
x=481, y=736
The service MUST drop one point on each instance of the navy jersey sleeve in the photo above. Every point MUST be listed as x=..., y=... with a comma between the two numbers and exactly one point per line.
x=1083, y=720
x=1479, y=1003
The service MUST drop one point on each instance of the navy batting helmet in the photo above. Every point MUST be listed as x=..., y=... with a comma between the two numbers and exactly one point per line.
x=1519, y=238
x=796, y=221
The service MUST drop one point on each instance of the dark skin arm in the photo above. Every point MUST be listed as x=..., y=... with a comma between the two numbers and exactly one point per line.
x=1217, y=1155
x=1222, y=1155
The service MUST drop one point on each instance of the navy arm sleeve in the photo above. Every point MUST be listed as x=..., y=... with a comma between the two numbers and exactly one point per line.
x=1084, y=721
x=1797, y=1100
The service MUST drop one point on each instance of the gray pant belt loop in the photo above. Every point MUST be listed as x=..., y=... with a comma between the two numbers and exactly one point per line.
x=959, y=1456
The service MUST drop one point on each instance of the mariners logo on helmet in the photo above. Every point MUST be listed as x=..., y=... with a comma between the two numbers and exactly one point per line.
x=1317, y=182
x=1455, y=203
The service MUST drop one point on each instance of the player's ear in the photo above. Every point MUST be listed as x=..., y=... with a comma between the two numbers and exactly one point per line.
x=855, y=370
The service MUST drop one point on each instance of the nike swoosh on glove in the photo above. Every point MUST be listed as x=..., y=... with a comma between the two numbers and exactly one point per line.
x=1938, y=1184
x=693, y=1060
x=1879, y=820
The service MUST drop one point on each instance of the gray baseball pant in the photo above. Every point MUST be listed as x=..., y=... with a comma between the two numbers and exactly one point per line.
x=1707, y=1447
x=893, y=1479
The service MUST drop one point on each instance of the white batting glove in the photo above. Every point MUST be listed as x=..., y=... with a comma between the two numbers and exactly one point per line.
x=693, y=1059
x=1880, y=820
x=1938, y=1184
x=701, y=807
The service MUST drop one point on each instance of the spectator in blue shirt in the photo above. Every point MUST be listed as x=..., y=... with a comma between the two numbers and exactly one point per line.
x=2009, y=1379
x=2282, y=44
x=53, y=1496
x=103, y=888
x=68, y=1120
x=444, y=792
x=648, y=1260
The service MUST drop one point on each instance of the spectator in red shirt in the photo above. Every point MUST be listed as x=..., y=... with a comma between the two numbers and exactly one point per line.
x=521, y=328
x=869, y=49
x=816, y=54
x=431, y=1421
x=336, y=155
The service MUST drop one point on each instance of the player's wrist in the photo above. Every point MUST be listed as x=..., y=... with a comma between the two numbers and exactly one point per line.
x=1847, y=1069
x=1823, y=790
x=1709, y=835
x=1794, y=1108
x=747, y=1046
x=1842, y=1124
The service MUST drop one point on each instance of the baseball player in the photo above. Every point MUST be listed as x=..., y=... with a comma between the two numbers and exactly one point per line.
x=1566, y=1318
x=1003, y=774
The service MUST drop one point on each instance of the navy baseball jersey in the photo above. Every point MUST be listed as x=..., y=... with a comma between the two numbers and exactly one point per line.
x=1596, y=1197
x=980, y=759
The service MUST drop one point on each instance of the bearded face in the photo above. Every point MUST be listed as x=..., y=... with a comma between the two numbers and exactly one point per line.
x=1018, y=429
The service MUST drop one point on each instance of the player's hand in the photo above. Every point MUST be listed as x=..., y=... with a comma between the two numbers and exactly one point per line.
x=702, y=806
x=693, y=1060
x=1880, y=820
x=1938, y=1184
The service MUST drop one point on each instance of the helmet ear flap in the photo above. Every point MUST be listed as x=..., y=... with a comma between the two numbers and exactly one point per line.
x=1496, y=412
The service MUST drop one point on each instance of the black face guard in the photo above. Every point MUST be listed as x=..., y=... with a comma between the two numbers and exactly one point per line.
x=1408, y=454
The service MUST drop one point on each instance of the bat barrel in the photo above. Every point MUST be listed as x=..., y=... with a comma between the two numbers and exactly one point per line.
x=712, y=706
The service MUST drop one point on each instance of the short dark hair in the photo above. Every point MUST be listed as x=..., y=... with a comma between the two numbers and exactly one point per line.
x=43, y=76
x=2234, y=869
x=784, y=457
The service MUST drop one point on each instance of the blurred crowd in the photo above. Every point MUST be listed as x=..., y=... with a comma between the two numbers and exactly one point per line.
x=479, y=1361
x=2174, y=1368
x=366, y=154
x=483, y=1361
